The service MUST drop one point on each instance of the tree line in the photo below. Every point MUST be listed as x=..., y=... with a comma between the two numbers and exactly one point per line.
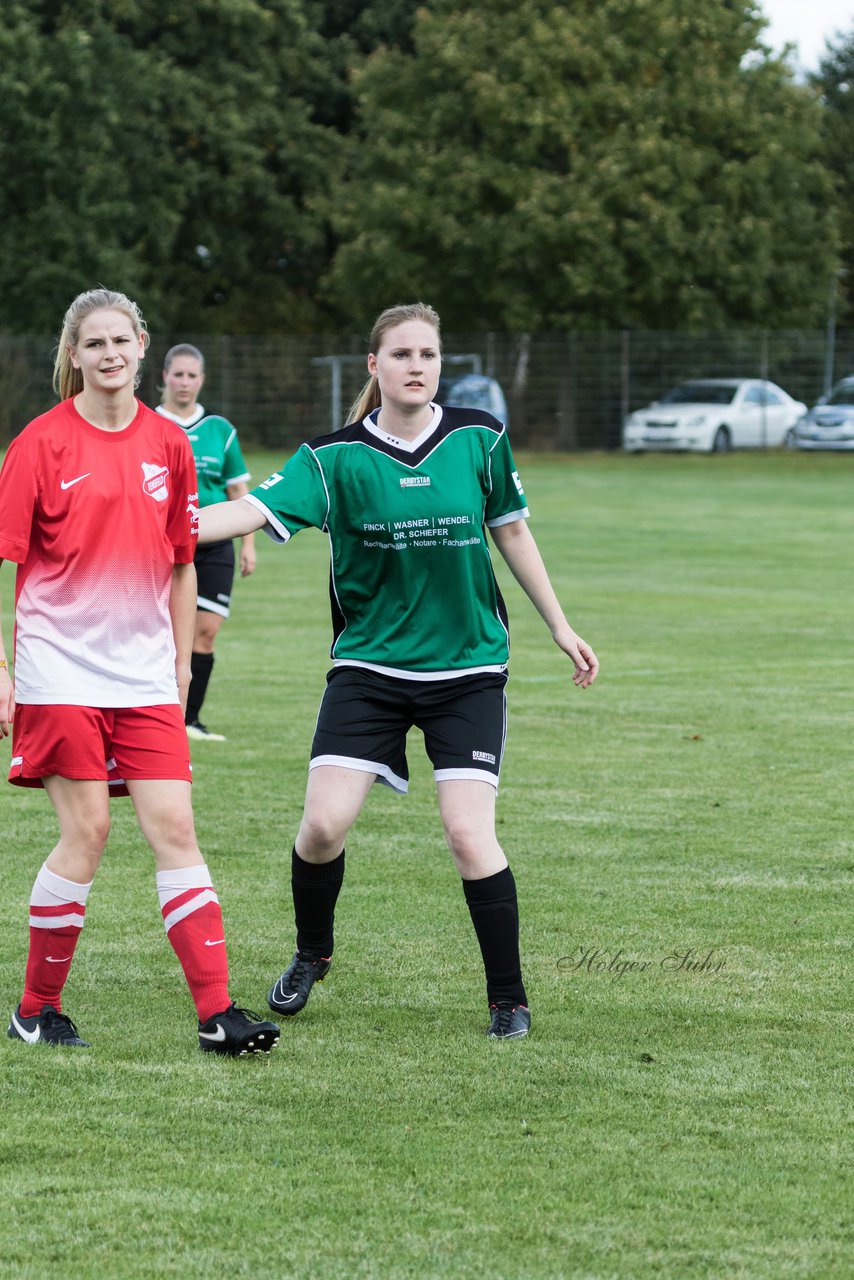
x=291, y=166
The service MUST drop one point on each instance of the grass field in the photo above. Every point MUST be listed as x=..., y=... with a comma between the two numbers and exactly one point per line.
x=682, y=841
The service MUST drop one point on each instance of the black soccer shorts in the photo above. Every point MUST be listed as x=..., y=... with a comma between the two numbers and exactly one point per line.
x=364, y=718
x=214, y=563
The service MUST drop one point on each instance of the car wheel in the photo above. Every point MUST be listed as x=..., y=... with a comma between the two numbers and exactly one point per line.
x=721, y=443
x=790, y=440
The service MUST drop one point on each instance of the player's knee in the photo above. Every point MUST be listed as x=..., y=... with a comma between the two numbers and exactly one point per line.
x=321, y=834
x=173, y=836
x=92, y=838
x=181, y=831
x=85, y=841
x=206, y=632
x=465, y=838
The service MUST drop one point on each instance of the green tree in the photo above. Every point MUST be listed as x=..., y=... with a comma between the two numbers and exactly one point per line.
x=835, y=83
x=530, y=164
x=170, y=150
x=351, y=29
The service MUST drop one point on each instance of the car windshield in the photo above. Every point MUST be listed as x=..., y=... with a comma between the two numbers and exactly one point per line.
x=843, y=394
x=472, y=392
x=701, y=393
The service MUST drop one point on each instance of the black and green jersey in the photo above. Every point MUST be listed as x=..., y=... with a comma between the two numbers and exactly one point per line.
x=219, y=461
x=412, y=587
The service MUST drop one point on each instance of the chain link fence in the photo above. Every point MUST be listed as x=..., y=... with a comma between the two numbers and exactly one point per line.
x=563, y=391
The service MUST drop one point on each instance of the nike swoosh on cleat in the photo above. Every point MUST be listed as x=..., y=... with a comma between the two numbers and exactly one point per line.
x=214, y=942
x=66, y=484
x=218, y=1035
x=57, y=960
x=30, y=1036
x=283, y=999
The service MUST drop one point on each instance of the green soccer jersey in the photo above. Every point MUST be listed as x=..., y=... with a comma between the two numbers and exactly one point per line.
x=412, y=587
x=219, y=460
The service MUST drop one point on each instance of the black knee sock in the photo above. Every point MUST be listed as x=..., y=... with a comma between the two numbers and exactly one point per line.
x=315, y=888
x=495, y=916
x=201, y=666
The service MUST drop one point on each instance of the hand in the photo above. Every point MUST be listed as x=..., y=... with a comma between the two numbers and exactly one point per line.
x=586, y=662
x=248, y=560
x=7, y=702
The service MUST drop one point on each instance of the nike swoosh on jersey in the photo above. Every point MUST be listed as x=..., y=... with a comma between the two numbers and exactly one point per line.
x=30, y=1036
x=218, y=1035
x=214, y=942
x=66, y=484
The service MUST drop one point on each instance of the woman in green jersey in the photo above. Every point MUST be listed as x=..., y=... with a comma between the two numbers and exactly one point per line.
x=222, y=475
x=405, y=493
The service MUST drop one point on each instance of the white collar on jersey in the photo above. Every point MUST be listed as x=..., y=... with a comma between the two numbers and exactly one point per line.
x=406, y=446
x=187, y=423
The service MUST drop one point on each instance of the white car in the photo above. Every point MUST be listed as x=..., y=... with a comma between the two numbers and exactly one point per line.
x=714, y=415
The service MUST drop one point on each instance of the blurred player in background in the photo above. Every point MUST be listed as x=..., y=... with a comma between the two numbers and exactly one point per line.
x=405, y=493
x=222, y=474
x=98, y=507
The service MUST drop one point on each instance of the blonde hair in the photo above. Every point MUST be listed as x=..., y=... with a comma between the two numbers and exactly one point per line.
x=68, y=381
x=370, y=398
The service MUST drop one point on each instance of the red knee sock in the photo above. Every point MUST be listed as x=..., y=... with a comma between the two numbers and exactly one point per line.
x=57, y=910
x=193, y=920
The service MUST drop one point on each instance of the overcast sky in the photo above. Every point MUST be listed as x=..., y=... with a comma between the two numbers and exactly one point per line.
x=808, y=24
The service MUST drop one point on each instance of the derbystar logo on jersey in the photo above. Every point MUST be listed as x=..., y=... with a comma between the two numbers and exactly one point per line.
x=154, y=481
x=409, y=482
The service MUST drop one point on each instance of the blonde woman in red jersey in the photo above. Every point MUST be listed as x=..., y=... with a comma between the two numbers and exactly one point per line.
x=99, y=509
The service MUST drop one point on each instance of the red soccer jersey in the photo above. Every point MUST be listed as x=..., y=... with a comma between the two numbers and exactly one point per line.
x=95, y=521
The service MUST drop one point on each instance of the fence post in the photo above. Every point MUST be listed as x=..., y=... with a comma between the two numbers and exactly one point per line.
x=519, y=385
x=625, y=382
x=763, y=373
x=567, y=417
x=830, y=339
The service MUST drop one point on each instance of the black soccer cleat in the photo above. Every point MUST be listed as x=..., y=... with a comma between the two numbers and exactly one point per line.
x=47, y=1027
x=237, y=1032
x=291, y=992
x=508, y=1021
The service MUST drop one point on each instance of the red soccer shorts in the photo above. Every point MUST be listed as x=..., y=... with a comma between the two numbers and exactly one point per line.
x=100, y=744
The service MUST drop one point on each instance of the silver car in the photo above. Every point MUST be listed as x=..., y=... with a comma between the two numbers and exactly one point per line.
x=830, y=423
x=474, y=391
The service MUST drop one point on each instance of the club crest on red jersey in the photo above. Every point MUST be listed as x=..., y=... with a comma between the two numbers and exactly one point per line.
x=154, y=481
